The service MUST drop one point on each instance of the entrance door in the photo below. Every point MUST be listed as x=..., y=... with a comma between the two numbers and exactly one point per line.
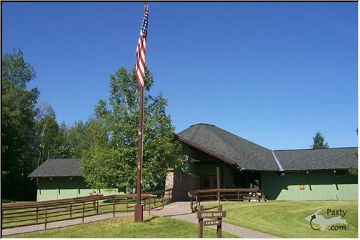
x=208, y=182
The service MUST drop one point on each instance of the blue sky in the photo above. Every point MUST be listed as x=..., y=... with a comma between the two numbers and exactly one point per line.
x=273, y=73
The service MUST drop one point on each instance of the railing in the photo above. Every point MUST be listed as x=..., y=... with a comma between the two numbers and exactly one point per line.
x=226, y=194
x=158, y=198
x=44, y=212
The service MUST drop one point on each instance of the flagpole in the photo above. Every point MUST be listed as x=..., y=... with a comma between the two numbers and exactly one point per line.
x=140, y=76
x=138, y=214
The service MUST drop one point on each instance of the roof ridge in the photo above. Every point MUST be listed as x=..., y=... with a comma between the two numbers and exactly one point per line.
x=301, y=149
x=278, y=162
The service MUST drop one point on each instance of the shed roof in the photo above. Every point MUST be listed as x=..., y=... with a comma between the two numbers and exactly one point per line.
x=58, y=168
x=318, y=159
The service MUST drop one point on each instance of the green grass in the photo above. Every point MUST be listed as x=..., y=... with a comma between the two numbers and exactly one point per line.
x=286, y=218
x=126, y=228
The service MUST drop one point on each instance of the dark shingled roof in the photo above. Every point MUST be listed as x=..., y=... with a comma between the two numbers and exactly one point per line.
x=58, y=168
x=227, y=146
x=318, y=159
x=248, y=155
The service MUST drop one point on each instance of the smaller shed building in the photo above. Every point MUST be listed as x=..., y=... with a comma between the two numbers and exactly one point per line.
x=63, y=178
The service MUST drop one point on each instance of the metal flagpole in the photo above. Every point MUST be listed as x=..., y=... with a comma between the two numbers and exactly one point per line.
x=140, y=75
x=138, y=207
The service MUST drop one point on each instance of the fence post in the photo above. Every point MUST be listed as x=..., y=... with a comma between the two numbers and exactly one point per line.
x=201, y=222
x=127, y=203
x=219, y=226
x=149, y=200
x=70, y=210
x=162, y=200
x=113, y=206
x=97, y=207
x=83, y=212
x=45, y=217
x=37, y=215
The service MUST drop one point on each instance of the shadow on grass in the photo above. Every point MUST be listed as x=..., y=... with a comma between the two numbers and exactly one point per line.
x=150, y=219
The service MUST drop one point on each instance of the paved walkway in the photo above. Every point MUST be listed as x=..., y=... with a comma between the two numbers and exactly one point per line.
x=182, y=211
x=176, y=210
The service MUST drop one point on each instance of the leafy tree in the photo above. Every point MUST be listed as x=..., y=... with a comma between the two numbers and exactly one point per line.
x=319, y=142
x=80, y=138
x=111, y=160
x=18, y=135
x=51, y=138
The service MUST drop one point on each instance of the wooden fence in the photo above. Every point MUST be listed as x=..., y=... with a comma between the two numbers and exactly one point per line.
x=44, y=212
x=226, y=194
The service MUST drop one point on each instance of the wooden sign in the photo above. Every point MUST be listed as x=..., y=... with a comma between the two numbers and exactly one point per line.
x=212, y=222
x=214, y=218
x=211, y=214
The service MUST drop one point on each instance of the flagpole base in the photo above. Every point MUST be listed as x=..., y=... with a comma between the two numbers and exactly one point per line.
x=138, y=213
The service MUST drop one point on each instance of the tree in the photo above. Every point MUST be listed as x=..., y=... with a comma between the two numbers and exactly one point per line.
x=319, y=142
x=51, y=138
x=111, y=160
x=18, y=135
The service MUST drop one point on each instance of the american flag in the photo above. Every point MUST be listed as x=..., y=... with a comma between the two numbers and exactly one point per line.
x=141, y=49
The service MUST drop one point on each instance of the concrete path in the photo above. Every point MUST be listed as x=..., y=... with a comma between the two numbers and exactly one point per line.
x=176, y=210
x=181, y=211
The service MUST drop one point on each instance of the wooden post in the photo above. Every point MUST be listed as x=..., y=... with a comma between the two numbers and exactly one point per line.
x=45, y=217
x=97, y=207
x=149, y=200
x=70, y=210
x=127, y=204
x=83, y=212
x=218, y=184
x=37, y=215
x=162, y=200
x=114, y=207
x=201, y=222
x=219, y=226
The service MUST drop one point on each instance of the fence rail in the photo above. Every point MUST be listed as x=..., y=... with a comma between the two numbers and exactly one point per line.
x=44, y=212
x=226, y=194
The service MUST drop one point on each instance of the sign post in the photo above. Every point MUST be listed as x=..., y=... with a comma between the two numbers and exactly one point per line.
x=214, y=218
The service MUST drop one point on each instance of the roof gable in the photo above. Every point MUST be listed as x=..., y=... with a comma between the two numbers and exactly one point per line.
x=58, y=168
x=217, y=141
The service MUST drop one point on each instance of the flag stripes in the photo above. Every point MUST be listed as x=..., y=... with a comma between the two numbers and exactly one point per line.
x=141, y=49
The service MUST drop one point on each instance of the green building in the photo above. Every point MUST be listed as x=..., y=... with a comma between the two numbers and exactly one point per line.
x=304, y=174
x=63, y=178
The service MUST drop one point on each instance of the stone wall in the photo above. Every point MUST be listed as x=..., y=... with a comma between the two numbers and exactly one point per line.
x=181, y=183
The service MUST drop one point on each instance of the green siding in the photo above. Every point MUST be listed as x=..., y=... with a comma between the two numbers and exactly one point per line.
x=228, y=177
x=59, y=188
x=321, y=185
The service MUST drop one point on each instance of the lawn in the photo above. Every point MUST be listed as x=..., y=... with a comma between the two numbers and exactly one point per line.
x=286, y=218
x=126, y=228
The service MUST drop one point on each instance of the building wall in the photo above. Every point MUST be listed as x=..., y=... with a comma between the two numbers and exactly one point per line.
x=181, y=183
x=320, y=185
x=59, y=188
